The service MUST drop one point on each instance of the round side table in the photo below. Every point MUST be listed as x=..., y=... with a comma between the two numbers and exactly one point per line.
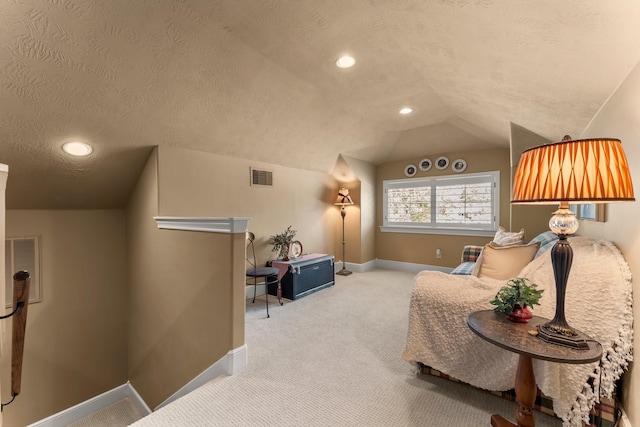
x=496, y=329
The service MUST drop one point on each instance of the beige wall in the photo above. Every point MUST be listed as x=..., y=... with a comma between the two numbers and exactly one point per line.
x=180, y=307
x=75, y=344
x=421, y=248
x=184, y=314
x=190, y=310
x=194, y=183
x=620, y=118
x=366, y=207
x=533, y=218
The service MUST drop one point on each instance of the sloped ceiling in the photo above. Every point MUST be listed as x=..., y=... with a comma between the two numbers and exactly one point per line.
x=257, y=79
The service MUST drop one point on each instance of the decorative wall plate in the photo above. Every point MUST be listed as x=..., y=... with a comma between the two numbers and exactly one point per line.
x=410, y=170
x=459, y=165
x=295, y=249
x=442, y=162
x=425, y=164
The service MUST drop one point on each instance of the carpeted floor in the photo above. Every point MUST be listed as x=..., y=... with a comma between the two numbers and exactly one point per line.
x=120, y=414
x=333, y=358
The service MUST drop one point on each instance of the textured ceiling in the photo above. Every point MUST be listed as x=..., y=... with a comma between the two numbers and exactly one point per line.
x=256, y=79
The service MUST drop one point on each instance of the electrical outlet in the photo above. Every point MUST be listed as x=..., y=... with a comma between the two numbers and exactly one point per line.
x=438, y=253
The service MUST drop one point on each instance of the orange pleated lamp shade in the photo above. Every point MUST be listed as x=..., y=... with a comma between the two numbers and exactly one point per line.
x=580, y=171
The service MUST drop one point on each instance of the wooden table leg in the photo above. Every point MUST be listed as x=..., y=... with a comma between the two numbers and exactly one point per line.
x=525, y=396
x=499, y=421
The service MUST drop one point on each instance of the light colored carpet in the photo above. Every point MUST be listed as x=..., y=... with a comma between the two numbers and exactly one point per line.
x=120, y=414
x=333, y=358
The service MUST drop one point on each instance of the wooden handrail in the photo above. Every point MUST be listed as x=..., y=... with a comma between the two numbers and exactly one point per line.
x=21, y=282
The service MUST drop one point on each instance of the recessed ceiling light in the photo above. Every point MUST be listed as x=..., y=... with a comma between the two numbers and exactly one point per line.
x=77, y=148
x=406, y=110
x=345, y=61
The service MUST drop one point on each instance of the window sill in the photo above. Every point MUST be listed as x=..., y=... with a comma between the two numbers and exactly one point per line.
x=445, y=231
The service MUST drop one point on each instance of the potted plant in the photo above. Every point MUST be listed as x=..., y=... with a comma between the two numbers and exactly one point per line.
x=516, y=298
x=281, y=243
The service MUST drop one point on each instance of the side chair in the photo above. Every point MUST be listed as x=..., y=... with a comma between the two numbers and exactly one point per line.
x=266, y=275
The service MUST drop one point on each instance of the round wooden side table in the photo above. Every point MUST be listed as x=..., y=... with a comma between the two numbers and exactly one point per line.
x=496, y=329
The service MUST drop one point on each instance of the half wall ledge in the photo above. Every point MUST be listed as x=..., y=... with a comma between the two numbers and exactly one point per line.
x=208, y=224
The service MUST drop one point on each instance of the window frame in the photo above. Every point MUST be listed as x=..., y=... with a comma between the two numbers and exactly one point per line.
x=35, y=289
x=439, y=228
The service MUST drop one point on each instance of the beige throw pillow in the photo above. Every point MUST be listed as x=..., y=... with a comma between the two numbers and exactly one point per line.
x=504, y=262
x=508, y=238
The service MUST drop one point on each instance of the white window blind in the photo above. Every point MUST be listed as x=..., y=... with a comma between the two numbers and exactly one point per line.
x=457, y=204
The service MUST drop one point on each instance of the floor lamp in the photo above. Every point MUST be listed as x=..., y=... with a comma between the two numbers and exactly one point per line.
x=343, y=200
x=570, y=172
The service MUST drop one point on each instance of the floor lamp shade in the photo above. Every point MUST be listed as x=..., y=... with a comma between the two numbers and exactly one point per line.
x=580, y=171
x=343, y=199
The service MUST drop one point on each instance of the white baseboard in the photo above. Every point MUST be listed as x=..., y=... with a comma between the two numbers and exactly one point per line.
x=624, y=420
x=248, y=291
x=356, y=268
x=233, y=362
x=88, y=407
x=237, y=360
x=385, y=264
x=409, y=266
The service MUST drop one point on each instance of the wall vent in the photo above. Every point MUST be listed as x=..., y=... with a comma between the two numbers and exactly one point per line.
x=261, y=178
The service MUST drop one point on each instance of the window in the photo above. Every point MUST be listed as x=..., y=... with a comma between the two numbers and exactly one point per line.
x=457, y=204
x=22, y=253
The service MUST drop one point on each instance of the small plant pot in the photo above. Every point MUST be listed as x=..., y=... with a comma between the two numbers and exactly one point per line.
x=520, y=314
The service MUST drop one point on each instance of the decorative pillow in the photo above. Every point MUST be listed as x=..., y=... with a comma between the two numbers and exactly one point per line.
x=546, y=239
x=466, y=268
x=507, y=238
x=504, y=262
x=470, y=253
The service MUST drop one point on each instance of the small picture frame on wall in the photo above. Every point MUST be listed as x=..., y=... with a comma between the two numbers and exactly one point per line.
x=459, y=165
x=442, y=162
x=591, y=211
x=425, y=164
x=410, y=170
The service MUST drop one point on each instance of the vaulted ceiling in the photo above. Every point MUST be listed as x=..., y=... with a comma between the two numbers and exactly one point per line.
x=256, y=79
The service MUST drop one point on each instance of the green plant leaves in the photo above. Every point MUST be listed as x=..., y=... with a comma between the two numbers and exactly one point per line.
x=281, y=241
x=517, y=291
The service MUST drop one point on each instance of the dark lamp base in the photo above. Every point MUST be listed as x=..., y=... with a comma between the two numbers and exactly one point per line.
x=561, y=336
x=343, y=272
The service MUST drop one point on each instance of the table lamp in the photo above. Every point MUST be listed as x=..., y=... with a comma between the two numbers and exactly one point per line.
x=343, y=200
x=570, y=172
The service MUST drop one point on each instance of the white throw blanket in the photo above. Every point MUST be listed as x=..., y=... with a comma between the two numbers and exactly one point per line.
x=598, y=303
